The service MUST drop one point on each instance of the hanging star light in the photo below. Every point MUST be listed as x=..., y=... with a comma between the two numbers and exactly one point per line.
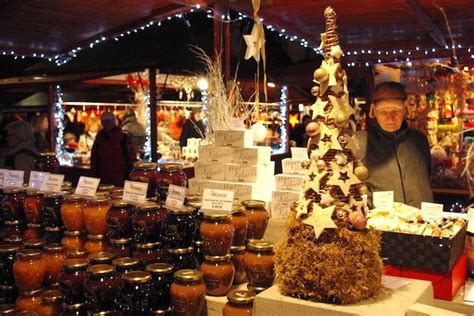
x=254, y=43
x=320, y=219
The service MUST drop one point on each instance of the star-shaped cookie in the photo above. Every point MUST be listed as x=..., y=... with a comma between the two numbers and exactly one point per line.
x=336, y=180
x=302, y=208
x=320, y=219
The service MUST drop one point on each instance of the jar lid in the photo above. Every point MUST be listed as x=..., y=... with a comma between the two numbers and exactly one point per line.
x=74, y=198
x=120, y=203
x=218, y=258
x=73, y=233
x=52, y=296
x=31, y=293
x=76, y=253
x=9, y=248
x=75, y=264
x=116, y=190
x=162, y=312
x=101, y=257
x=31, y=225
x=170, y=166
x=125, y=262
x=145, y=165
x=254, y=204
x=14, y=239
x=195, y=205
x=52, y=195
x=33, y=192
x=102, y=313
x=260, y=245
x=96, y=237
x=241, y=297
x=237, y=209
x=196, y=198
x=159, y=268
x=256, y=289
x=74, y=307
x=105, y=187
x=7, y=308
x=198, y=243
x=53, y=247
x=148, y=206
x=34, y=243
x=48, y=154
x=13, y=223
x=99, y=198
x=100, y=269
x=182, y=210
x=67, y=184
x=52, y=229
x=180, y=250
x=121, y=241
x=188, y=275
x=136, y=277
x=234, y=249
x=151, y=245
x=13, y=190
x=216, y=216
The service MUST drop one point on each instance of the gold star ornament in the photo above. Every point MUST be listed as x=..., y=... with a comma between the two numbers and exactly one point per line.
x=320, y=219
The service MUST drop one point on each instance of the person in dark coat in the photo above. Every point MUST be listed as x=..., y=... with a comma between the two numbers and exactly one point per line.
x=134, y=130
x=40, y=125
x=397, y=157
x=112, y=154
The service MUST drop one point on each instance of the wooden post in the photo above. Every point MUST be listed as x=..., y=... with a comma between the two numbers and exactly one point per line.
x=153, y=125
x=52, y=122
x=217, y=27
x=227, y=48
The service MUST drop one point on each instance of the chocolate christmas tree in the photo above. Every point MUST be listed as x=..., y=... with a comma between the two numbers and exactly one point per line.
x=328, y=255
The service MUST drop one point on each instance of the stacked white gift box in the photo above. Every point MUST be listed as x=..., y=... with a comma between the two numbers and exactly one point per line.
x=190, y=151
x=232, y=163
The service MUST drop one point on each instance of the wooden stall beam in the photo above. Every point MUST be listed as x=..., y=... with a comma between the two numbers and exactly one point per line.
x=153, y=124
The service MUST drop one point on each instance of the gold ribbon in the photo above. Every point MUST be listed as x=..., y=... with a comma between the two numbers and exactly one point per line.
x=261, y=39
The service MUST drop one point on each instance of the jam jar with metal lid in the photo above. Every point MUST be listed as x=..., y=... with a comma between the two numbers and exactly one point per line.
x=51, y=303
x=7, y=258
x=258, y=218
x=240, y=303
x=180, y=228
x=218, y=274
x=105, y=188
x=72, y=212
x=79, y=309
x=237, y=259
x=12, y=228
x=259, y=265
x=8, y=294
x=126, y=264
x=101, y=258
x=217, y=233
x=136, y=293
x=121, y=247
x=119, y=220
x=240, y=222
x=146, y=172
x=182, y=258
x=34, y=244
x=101, y=288
x=52, y=210
x=198, y=217
x=77, y=254
x=188, y=293
x=13, y=204
x=29, y=270
x=148, y=222
x=33, y=206
x=170, y=173
x=54, y=257
x=150, y=253
x=29, y=301
x=161, y=279
x=14, y=239
x=47, y=162
x=198, y=251
x=95, y=215
x=71, y=280
x=96, y=243
x=33, y=231
x=73, y=240
x=53, y=235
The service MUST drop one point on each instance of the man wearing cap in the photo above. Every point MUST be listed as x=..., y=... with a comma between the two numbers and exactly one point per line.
x=398, y=158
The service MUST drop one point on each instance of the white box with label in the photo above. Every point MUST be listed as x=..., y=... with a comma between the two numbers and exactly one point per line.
x=243, y=173
x=293, y=166
x=281, y=202
x=235, y=138
x=252, y=155
x=209, y=170
x=289, y=182
x=211, y=153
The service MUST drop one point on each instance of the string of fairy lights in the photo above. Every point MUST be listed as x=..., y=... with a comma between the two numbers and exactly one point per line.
x=400, y=55
x=284, y=118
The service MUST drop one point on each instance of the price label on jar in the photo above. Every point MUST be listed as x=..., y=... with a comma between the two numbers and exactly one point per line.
x=13, y=179
x=383, y=199
x=217, y=200
x=36, y=178
x=87, y=186
x=134, y=192
x=52, y=183
x=175, y=197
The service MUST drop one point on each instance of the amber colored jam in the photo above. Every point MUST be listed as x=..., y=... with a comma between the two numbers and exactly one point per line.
x=102, y=288
x=13, y=204
x=119, y=220
x=33, y=207
x=96, y=243
x=126, y=264
x=29, y=270
x=162, y=277
x=258, y=218
x=101, y=258
x=121, y=247
x=150, y=253
x=136, y=293
x=54, y=257
x=72, y=213
x=7, y=258
x=217, y=233
x=73, y=240
x=8, y=294
x=95, y=215
x=259, y=264
x=182, y=258
x=240, y=303
x=170, y=173
x=71, y=280
x=146, y=172
x=238, y=261
x=53, y=235
x=188, y=293
x=29, y=301
x=180, y=228
x=12, y=228
x=148, y=222
x=33, y=231
x=240, y=222
x=218, y=274
x=51, y=210
x=51, y=303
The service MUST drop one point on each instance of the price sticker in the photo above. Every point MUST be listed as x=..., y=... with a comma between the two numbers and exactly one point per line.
x=87, y=186
x=217, y=200
x=175, y=197
x=135, y=192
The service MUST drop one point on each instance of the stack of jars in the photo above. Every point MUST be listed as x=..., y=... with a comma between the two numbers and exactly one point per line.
x=52, y=220
x=14, y=220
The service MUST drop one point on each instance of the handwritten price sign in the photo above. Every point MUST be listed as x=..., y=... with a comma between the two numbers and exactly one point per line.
x=217, y=200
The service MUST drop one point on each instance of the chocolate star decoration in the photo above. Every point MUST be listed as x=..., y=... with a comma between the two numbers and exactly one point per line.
x=319, y=108
x=302, y=208
x=320, y=219
x=343, y=176
x=335, y=180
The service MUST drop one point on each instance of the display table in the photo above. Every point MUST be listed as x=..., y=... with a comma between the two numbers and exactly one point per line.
x=458, y=304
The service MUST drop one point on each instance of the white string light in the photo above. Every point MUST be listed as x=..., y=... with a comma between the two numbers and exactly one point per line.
x=59, y=117
x=283, y=114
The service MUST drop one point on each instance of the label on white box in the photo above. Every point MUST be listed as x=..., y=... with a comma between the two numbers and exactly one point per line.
x=281, y=203
x=241, y=172
x=175, y=197
x=36, y=178
x=210, y=153
x=87, y=186
x=434, y=210
x=240, y=138
x=52, y=183
x=299, y=153
x=217, y=200
x=134, y=192
x=209, y=170
x=293, y=166
x=13, y=178
x=383, y=199
x=252, y=155
x=289, y=182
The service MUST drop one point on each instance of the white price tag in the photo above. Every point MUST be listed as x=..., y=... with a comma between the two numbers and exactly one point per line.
x=13, y=178
x=175, y=197
x=52, y=183
x=87, y=186
x=434, y=210
x=36, y=178
x=299, y=153
x=135, y=192
x=383, y=199
x=217, y=200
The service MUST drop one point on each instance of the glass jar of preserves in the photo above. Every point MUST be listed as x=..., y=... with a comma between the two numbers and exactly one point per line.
x=72, y=213
x=96, y=243
x=149, y=253
x=240, y=222
x=29, y=301
x=148, y=222
x=53, y=235
x=47, y=162
x=198, y=217
x=180, y=228
x=29, y=270
x=8, y=294
x=33, y=231
x=136, y=293
x=7, y=258
x=259, y=265
x=77, y=254
x=37, y=244
x=182, y=258
x=95, y=215
x=126, y=264
x=218, y=274
x=237, y=259
x=217, y=233
x=14, y=239
x=119, y=220
x=121, y=247
x=51, y=303
x=74, y=309
x=105, y=189
x=170, y=173
x=71, y=280
x=102, y=288
x=240, y=303
x=52, y=210
x=13, y=228
x=33, y=207
x=188, y=293
x=146, y=172
x=13, y=204
x=101, y=258
x=162, y=277
x=257, y=216
x=198, y=251
x=73, y=240
x=54, y=257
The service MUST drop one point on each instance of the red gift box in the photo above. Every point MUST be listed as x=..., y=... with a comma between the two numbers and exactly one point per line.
x=392, y=270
